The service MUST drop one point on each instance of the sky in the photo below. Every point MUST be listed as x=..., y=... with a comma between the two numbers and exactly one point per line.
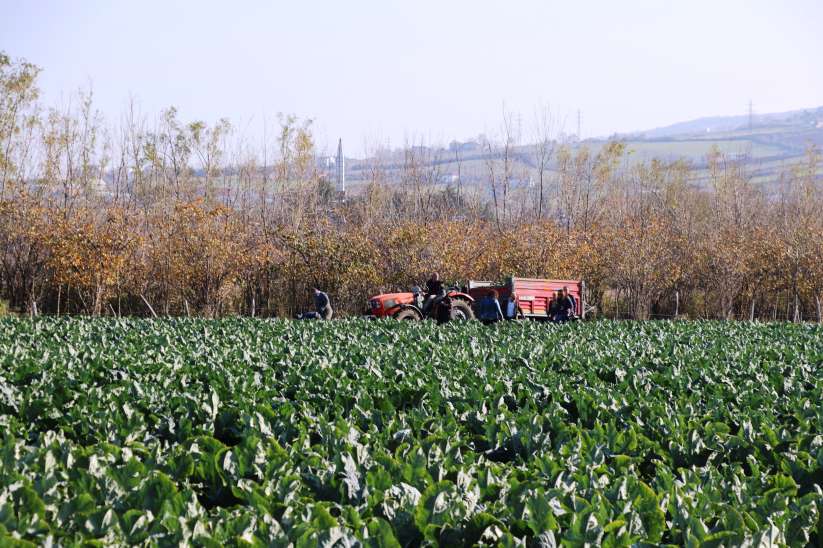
x=386, y=72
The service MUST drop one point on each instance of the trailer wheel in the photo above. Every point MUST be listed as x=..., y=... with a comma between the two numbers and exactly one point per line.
x=408, y=314
x=461, y=310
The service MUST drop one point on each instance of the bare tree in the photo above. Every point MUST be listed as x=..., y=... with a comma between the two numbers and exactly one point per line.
x=545, y=127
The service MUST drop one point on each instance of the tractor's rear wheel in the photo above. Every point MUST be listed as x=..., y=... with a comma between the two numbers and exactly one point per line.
x=461, y=310
x=408, y=314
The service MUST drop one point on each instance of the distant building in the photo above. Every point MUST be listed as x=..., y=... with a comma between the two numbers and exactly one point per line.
x=517, y=182
x=468, y=146
x=99, y=185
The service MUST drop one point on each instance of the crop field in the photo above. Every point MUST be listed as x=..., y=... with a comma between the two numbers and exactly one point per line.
x=349, y=433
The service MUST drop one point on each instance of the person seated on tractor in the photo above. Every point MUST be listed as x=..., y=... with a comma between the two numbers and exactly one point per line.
x=489, y=308
x=322, y=305
x=434, y=291
x=443, y=309
x=512, y=308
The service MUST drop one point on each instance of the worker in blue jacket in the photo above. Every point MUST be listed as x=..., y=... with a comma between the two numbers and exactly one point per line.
x=489, y=310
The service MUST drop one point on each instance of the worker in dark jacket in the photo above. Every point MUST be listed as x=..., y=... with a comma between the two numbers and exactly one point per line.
x=489, y=310
x=565, y=307
x=322, y=306
x=554, y=306
x=443, y=309
x=434, y=292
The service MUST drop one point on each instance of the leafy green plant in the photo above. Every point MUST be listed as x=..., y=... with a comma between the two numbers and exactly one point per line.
x=242, y=431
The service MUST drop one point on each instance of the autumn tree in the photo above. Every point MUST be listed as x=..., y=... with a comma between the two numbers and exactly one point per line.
x=18, y=118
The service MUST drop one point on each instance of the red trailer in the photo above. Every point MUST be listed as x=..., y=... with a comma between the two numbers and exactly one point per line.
x=534, y=295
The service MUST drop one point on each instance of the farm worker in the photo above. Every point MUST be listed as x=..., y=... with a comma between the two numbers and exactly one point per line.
x=322, y=304
x=434, y=291
x=511, y=307
x=443, y=309
x=489, y=309
x=572, y=303
x=565, y=306
x=417, y=297
x=434, y=286
x=554, y=307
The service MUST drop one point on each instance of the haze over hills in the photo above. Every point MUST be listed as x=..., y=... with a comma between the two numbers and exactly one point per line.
x=803, y=118
x=762, y=139
x=767, y=143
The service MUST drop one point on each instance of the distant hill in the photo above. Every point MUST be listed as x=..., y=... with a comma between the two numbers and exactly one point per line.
x=804, y=118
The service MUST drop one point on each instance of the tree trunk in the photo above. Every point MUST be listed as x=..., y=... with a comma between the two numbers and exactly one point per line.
x=151, y=309
x=819, y=309
x=751, y=312
x=98, y=301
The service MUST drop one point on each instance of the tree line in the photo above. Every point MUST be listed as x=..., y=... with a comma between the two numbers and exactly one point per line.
x=174, y=218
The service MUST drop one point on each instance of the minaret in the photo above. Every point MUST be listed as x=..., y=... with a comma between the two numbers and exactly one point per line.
x=341, y=169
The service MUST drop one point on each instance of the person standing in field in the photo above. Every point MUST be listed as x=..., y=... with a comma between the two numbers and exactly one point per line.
x=489, y=308
x=570, y=297
x=565, y=307
x=554, y=306
x=443, y=310
x=512, y=309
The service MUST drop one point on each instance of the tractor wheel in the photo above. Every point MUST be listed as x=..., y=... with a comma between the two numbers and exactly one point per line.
x=461, y=310
x=407, y=314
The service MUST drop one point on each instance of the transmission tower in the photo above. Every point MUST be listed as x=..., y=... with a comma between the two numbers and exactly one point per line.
x=751, y=115
x=579, y=134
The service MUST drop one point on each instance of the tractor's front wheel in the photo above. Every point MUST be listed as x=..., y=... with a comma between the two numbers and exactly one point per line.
x=461, y=310
x=408, y=314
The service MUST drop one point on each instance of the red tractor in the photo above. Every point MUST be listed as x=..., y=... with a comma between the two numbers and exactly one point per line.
x=409, y=306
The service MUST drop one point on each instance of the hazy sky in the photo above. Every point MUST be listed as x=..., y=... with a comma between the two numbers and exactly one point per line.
x=378, y=71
